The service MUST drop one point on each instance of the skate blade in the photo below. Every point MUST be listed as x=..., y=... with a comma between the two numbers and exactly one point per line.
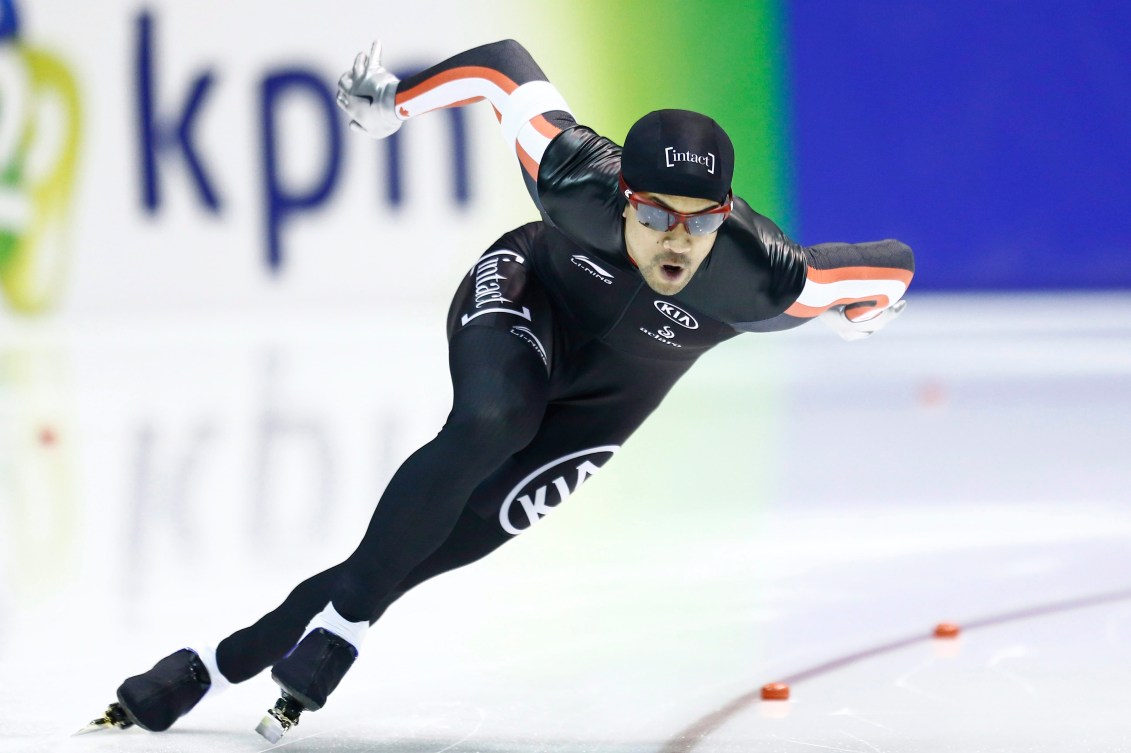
x=114, y=718
x=272, y=729
x=102, y=723
x=96, y=726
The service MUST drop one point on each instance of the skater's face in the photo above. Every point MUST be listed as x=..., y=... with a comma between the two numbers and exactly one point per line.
x=667, y=259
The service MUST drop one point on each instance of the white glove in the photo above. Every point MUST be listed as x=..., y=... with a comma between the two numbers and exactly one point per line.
x=367, y=93
x=850, y=330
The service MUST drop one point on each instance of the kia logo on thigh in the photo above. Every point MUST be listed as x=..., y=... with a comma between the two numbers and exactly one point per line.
x=538, y=494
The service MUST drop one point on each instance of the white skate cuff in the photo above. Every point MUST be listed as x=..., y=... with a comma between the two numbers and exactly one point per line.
x=207, y=656
x=329, y=619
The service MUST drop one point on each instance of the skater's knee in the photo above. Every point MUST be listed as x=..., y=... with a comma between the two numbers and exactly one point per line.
x=494, y=429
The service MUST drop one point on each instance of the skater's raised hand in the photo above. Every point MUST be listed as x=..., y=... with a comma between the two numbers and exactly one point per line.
x=367, y=93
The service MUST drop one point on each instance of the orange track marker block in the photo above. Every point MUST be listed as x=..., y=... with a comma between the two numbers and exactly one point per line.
x=947, y=630
x=775, y=691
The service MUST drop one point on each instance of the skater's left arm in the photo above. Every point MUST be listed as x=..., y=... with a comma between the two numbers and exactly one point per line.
x=854, y=288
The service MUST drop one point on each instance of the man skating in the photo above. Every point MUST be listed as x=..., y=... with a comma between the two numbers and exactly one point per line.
x=563, y=337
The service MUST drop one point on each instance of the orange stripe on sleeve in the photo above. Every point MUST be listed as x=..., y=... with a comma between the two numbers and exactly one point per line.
x=456, y=74
x=544, y=127
x=527, y=161
x=462, y=102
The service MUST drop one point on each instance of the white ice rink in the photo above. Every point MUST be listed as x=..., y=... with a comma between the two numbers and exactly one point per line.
x=801, y=509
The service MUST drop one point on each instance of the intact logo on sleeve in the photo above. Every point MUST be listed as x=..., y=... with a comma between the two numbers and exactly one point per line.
x=672, y=158
x=489, y=277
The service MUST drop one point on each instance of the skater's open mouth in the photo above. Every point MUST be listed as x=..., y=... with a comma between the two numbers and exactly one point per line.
x=672, y=271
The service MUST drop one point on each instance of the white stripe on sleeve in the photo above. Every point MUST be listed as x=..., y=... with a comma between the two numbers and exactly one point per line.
x=526, y=103
x=824, y=294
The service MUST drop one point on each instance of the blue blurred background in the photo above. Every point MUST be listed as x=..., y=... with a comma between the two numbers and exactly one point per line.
x=993, y=137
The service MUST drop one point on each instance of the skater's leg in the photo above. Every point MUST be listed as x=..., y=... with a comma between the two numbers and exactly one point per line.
x=478, y=356
x=500, y=395
x=247, y=652
x=567, y=430
x=333, y=651
x=501, y=386
x=156, y=698
x=472, y=539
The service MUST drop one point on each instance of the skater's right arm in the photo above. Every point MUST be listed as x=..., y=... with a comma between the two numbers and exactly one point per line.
x=529, y=109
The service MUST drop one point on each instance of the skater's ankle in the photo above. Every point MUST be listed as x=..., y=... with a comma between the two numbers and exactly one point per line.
x=218, y=682
x=329, y=619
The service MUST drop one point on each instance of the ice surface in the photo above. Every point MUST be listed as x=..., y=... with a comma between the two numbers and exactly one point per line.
x=798, y=501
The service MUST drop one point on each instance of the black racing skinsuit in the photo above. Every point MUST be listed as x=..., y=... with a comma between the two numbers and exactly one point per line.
x=558, y=352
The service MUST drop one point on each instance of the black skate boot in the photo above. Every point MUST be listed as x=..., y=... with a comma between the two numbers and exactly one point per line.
x=306, y=677
x=157, y=698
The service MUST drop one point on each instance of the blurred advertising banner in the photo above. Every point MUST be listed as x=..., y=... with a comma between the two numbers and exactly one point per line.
x=162, y=155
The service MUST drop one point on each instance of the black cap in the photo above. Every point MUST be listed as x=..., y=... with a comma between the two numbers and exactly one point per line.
x=678, y=152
